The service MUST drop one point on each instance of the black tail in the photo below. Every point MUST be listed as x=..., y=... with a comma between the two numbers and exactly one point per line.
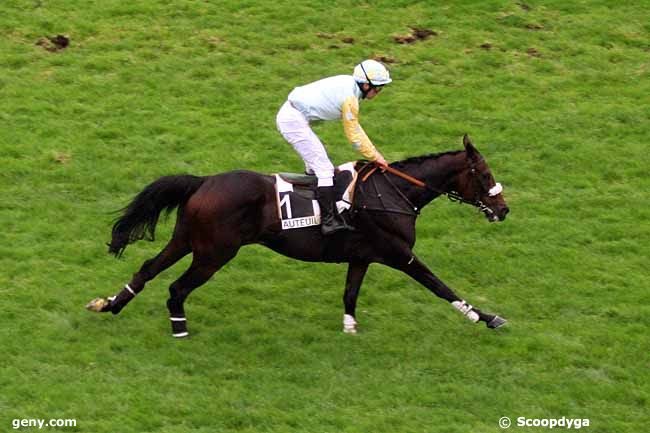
x=139, y=218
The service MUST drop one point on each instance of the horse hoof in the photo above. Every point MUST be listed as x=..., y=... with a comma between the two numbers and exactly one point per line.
x=98, y=305
x=497, y=322
x=181, y=334
x=350, y=330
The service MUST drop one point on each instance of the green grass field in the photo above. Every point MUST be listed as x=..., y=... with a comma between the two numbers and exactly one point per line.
x=556, y=96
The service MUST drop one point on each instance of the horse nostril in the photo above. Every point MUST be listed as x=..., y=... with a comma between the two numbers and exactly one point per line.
x=504, y=212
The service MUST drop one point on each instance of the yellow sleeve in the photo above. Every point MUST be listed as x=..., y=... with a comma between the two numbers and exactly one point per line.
x=353, y=130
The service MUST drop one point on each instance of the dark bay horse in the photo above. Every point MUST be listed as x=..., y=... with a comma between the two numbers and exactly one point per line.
x=217, y=215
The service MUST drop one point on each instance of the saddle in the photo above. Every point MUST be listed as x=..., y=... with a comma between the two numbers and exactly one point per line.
x=296, y=196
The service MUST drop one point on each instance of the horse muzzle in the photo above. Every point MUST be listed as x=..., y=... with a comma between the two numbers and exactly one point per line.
x=497, y=214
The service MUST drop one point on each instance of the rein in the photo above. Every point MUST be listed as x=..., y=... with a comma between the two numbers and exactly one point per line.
x=451, y=195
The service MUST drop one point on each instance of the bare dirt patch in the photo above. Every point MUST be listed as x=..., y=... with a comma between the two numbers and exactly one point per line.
x=533, y=52
x=417, y=34
x=54, y=43
x=384, y=59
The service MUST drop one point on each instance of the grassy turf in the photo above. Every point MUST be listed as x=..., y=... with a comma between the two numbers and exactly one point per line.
x=555, y=95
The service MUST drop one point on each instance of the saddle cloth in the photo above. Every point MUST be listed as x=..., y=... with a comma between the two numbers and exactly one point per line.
x=296, y=199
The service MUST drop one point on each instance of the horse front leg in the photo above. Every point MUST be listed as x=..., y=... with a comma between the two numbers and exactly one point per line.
x=356, y=272
x=421, y=273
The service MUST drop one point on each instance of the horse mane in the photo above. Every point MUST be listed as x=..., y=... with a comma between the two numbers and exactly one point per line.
x=420, y=159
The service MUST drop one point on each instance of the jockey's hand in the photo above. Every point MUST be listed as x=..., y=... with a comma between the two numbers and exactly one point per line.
x=381, y=162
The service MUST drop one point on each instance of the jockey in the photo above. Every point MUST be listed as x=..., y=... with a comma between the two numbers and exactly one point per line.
x=331, y=99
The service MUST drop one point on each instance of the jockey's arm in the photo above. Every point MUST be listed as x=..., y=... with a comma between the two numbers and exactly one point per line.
x=354, y=132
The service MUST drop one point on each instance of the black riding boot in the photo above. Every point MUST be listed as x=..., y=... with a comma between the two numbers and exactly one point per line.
x=329, y=217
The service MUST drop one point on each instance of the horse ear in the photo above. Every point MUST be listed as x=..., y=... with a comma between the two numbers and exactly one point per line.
x=469, y=147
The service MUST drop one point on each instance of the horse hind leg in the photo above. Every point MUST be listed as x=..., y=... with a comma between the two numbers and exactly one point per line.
x=176, y=249
x=199, y=272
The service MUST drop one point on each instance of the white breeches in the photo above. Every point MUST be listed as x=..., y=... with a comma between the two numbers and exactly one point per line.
x=295, y=129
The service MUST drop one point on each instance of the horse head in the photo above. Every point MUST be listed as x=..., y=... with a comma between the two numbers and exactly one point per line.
x=476, y=184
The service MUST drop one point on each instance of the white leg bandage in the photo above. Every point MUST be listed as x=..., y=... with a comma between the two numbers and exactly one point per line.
x=466, y=309
x=179, y=329
x=181, y=334
x=130, y=290
x=349, y=324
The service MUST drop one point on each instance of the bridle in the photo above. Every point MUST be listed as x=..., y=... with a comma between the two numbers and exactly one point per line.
x=453, y=196
x=494, y=191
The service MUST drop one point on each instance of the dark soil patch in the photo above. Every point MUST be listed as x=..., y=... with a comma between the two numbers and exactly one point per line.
x=533, y=26
x=533, y=52
x=417, y=34
x=53, y=44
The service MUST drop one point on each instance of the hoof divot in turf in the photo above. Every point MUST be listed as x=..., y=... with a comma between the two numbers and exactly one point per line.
x=417, y=34
x=54, y=43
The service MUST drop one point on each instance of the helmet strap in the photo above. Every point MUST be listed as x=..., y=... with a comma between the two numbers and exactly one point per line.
x=364, y=93
x=372, y=86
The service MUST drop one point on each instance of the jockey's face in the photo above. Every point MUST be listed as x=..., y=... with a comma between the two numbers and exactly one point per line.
x=372, y=91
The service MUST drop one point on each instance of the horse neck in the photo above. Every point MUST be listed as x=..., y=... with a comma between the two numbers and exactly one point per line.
x=438, y=172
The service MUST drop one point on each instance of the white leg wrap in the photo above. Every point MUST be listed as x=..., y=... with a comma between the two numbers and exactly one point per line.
x=128, y=288
x=349, y=324
x=466, y=309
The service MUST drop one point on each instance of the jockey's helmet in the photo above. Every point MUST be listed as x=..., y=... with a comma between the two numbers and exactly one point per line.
x=372, y=72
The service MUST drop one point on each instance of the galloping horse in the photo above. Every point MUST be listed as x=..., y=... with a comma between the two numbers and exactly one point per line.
x=217, y=215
